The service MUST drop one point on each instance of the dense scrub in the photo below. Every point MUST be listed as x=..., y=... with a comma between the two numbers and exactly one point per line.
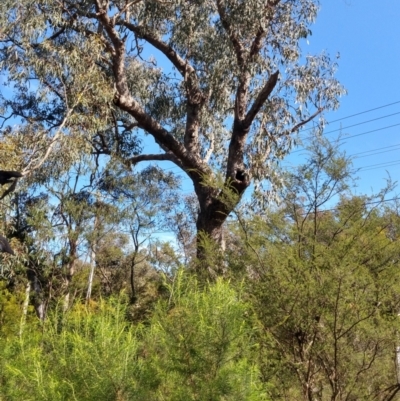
x=199, y=344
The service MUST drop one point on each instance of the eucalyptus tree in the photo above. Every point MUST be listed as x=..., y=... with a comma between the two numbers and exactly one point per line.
x=223, y=97
x=140, y=200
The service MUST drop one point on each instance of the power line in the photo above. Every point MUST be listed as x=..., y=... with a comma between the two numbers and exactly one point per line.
x=357, y=114
x=365, y=204
x=375, y=130
x=356, y=135
x=377, y=153
x=381, y=165
x=385, y=147
x=355, y=125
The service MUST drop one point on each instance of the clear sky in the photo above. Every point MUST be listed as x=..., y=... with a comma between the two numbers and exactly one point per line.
x=366, y=34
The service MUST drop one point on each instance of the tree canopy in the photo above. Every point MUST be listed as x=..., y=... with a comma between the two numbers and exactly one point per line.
x=222, y=86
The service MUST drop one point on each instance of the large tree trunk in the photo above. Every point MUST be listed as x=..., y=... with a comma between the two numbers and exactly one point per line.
x=215, y=207
x=209, y=222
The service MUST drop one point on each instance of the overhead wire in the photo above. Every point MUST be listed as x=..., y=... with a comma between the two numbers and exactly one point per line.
x=381, y=165
x=396, y=146
x=356, y=135
x=357, y=114
x=355, y=125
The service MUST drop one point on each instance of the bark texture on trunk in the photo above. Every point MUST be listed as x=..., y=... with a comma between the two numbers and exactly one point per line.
x=215, y=207
x=93, y=260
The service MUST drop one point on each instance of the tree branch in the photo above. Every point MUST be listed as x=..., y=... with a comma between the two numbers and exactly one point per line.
x=210, y=149
x=124, y=100
x=244, y=78
x=261, y=98
x=195, y=97
x=29, y=170
x=52, y=37
x=125, y=9
x=301, y=123
x=153, y=157
x=179, y=63
x=238, y=47
x=257, y=42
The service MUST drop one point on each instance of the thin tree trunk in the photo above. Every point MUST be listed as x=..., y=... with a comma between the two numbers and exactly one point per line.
x=398, y=363
x=132, y=281
x=38, y=301
x=70, y=274
x=93, y=258
x=36, y=286
x=91, y=274
x=25, y=307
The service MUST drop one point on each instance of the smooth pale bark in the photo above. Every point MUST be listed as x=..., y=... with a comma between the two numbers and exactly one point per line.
x=25, y=307
x=91, y=274
x=93, y=255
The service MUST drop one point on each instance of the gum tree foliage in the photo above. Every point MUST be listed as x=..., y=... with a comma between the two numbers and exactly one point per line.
x=223, y=97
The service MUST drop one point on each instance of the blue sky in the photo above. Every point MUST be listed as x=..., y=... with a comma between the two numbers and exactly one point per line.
x=366, y=34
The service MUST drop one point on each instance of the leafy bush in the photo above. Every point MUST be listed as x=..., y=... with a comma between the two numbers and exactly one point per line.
x=197, y=346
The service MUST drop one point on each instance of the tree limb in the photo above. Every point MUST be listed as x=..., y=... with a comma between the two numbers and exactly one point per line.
x=210, y=149
x=261, y=33
x=125, y=8
x=261, y=98
x=28, y=169
x=238, y=47
x=301, y=123
x=124, y=100
x=179, y=63
x=152, y=157
x=195, y=97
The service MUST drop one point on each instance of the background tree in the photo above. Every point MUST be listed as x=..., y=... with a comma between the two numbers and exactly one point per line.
x=322, y=275
x=144, y=205
x=228, y=89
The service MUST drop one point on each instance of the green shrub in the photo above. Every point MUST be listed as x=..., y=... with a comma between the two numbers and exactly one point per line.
x=198, y=346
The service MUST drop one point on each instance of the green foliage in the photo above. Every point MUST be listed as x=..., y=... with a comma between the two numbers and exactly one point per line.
x=10, y=309
x=333, y=314
x=202, y=346
x=85, y=355
x=196, y=346
x=324, y=284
